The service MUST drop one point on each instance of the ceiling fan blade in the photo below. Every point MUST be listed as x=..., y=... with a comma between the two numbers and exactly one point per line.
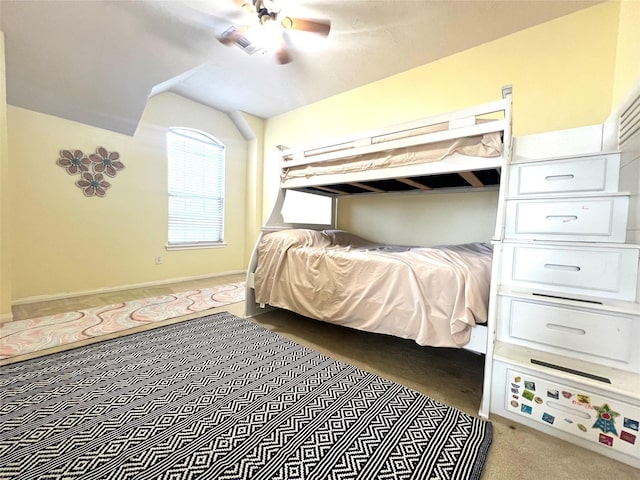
x=283, y=54
x=230, y=35
x=237, y=36
x=321, y=27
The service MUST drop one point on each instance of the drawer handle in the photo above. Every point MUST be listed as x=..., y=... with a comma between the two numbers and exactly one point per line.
x=552, y=178
x=562, y=218
x=566, y=268
x=563, y=328
x=569, y=410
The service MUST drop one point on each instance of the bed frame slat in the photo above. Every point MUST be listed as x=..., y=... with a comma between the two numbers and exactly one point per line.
x=472, y=179
x=413, y=183
x=367, y=187
x=331, y=190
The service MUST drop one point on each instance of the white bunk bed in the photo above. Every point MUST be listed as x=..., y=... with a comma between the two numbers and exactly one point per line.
x=465, y=150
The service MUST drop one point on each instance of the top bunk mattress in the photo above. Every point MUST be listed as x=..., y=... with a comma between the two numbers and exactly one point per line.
x=488, y=145
x=433, y=296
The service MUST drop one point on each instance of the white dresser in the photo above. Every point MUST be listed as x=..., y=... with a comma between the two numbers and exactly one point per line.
x=566, y=294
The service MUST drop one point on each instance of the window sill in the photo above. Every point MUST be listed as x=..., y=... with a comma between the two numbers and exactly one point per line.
x=195, y=246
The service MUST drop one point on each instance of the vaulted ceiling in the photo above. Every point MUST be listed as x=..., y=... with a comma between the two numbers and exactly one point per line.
x=97, y=62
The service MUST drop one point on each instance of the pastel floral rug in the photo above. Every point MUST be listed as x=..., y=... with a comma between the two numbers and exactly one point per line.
x=34, y=334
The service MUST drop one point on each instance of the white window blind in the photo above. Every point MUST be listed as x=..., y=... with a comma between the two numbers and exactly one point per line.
x=196, y=188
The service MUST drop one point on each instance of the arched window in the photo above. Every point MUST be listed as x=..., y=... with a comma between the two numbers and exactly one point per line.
x=196, y=189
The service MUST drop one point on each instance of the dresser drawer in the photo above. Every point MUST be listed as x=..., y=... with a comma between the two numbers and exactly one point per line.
x=578, y=410
x=589, y=219
x=593, y=173
x=569, y=331
x=591, y=271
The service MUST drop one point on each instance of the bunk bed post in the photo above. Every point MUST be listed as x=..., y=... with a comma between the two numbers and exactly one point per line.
x=275, y=221
x=485, y=404
x=496, y=266
x=507, y=93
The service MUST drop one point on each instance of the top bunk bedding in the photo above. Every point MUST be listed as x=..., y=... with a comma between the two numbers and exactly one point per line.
x=465, y=148
x=488, y=145
x=434, y=296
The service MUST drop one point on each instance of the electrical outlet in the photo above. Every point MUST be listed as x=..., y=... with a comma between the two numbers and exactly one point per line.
x=158, y=260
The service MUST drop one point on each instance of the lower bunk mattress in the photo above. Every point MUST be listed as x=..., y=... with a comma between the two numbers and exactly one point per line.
x=432, y=295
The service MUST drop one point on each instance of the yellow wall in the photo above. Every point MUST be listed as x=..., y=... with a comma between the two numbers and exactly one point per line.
x=66, y=242
x=410, y=220
x=253, y=214
x=562, y=74
x=5, y=259
x=627, y=72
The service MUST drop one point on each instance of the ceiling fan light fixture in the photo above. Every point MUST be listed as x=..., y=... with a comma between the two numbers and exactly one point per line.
x=287, y=22
x=265, y=30
x=267, y=36
x=272, y=38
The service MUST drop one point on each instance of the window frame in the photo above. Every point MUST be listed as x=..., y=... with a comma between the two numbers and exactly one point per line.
x=219, y=157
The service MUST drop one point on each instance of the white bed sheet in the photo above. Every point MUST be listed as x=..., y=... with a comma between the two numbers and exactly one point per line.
x=434, y=296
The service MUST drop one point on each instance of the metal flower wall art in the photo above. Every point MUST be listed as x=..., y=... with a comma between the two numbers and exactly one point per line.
x=92, y=169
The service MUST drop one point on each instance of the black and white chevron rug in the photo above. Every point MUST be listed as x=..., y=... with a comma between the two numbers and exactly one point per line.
x=221, y=398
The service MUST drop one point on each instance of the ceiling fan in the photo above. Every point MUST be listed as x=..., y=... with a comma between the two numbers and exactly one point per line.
x=266, y=29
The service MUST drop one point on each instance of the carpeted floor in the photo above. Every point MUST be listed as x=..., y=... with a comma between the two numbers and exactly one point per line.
x=220, y=397
x=29, y=335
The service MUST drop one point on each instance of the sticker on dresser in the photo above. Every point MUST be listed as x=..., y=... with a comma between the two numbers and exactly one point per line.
x=610, y=423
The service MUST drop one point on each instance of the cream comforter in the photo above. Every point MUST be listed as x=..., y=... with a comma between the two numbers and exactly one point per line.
x=431, y=295
x=487, y=145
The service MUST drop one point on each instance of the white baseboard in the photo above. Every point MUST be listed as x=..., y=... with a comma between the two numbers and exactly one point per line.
x=6, y=317
x=60, y=296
